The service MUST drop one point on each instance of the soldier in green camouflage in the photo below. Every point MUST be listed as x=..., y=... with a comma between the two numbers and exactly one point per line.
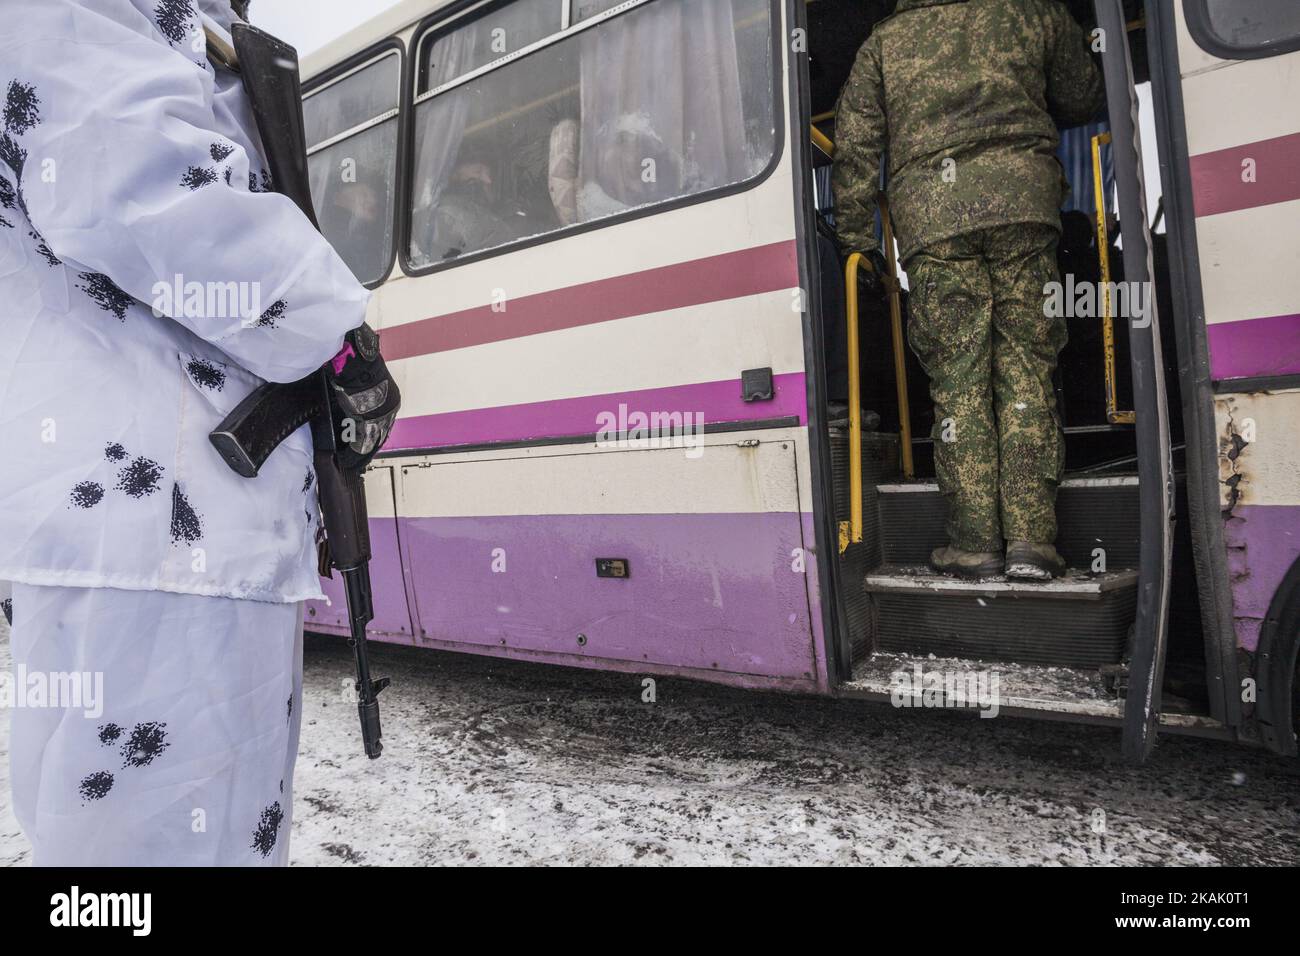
x=966, y=96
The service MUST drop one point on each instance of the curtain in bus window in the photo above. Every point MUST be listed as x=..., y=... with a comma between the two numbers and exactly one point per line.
x=440, y=127
x=661, y=107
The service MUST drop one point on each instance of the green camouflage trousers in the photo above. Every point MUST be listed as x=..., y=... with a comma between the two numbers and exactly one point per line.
x=977, y=325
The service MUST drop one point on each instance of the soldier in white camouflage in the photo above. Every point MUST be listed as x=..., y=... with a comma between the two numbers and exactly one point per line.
x=966, y=96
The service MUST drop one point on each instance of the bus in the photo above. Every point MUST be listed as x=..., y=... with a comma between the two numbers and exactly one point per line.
x=657, y=421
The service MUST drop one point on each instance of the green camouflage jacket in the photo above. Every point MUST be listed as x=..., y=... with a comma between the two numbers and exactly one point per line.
x=966, y=95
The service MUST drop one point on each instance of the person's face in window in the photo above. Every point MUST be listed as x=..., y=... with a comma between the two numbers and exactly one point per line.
x=474, y=179
x=360, y=202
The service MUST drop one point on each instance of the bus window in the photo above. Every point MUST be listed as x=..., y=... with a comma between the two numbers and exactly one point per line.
x=351, y=126
x=625, y=109
x=503, y=31
x=1245, y=28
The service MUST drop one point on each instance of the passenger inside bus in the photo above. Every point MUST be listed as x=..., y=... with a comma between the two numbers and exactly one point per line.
x=468, y=215
x=587, y=128
x=351, y=214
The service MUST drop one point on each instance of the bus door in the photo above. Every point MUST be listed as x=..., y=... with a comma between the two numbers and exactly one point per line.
x=1155, y=467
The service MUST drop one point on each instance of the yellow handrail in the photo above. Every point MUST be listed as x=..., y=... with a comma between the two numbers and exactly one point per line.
x=1113, y=415
x=821, y=141
x=855, y=400
x=891, y=285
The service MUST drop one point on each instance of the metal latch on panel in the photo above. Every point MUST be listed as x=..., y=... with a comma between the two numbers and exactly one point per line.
x=756, y=385
x=612, y=568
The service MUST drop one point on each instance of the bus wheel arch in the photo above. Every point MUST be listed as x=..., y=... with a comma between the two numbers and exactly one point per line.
x=1276, y=664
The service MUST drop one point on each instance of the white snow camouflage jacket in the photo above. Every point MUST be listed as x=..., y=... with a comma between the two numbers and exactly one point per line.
x=130, y=171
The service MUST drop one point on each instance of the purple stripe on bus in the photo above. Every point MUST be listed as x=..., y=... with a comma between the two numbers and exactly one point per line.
x=1253, y=347
x=1263, y=541
x=718, y=595
x=716, y=401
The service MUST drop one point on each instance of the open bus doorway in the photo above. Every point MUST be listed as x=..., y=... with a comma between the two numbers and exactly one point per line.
x=1060, y=647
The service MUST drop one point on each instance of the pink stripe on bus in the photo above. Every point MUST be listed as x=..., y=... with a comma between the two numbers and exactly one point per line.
x=1254, y=347
x=1223, y=181
x=566, y=417
x=731, y=275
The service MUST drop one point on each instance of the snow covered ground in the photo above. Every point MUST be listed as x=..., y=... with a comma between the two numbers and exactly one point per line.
x=490, y=762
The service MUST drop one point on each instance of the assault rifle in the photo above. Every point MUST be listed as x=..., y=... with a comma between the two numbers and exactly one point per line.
x=268, y=68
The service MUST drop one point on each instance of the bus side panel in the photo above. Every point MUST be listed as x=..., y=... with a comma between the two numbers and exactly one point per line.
x=1243, y=134
x=506, y=554
x=1260, y=499
x=524, y=370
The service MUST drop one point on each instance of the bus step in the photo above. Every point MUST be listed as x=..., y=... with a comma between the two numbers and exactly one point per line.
x=1097, y=522
x=1063, y=690
x=1078, y=620
x=879, y=464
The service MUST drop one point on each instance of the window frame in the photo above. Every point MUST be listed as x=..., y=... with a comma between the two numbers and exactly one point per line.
x=1197, y=15
x=448, y=20
x=340, y=71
